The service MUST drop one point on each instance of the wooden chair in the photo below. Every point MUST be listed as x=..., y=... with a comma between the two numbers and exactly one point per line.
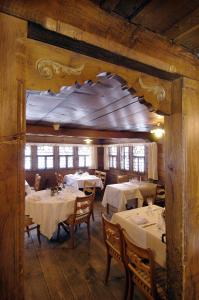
x=122, y=178
x=82, y=212
x=59, y=178
x=132, y=203
x=90, y=188
x=150, y=280
x=30, y=225
x=97, y=173
x=37, y=182
x=103, y=177
x=114, y=246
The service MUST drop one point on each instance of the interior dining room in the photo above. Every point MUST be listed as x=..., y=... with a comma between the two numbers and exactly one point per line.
x=98, y=144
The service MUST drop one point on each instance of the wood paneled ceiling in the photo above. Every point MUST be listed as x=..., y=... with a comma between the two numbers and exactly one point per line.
x=177, y=20
x=107, y=104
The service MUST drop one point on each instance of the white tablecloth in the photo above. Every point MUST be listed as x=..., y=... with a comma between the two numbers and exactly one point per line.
x=48, y=211
x=143, y=235
x=77, y=180
x=118, y=194
x=27, y=188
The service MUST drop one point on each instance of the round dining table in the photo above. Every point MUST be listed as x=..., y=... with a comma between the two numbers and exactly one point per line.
x=48, y=211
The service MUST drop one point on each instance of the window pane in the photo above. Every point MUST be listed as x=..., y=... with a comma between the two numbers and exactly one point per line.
x=41, y=162
x=113, y=150
x=135, y=164
x=141, y=165
x=44, y=150
x=27, y=163
x=81, y=161
x=70, y=162
x=84, y=150
x=27, y=150
x=62, y=161
x=65, y=150
x=138, y=150
x=49, y=162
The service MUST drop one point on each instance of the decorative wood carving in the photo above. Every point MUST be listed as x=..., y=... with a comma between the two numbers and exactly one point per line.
x=47, y=68
x=157, y=90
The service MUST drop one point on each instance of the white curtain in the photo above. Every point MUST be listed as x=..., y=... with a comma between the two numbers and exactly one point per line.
x=152, y=161
x=106, y=158
x=94, y=161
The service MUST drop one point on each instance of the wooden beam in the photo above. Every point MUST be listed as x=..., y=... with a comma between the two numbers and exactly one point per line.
x=85, y=21
x=98, y=134
x=39, y=33
x=12, y=128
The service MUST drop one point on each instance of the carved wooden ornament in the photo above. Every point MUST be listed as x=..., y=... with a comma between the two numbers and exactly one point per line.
x=47, y=68
x=157, y=90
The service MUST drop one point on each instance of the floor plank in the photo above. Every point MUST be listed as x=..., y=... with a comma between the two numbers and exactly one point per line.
x=54, y=271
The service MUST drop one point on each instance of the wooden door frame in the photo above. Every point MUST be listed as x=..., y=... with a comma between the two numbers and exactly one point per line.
x=13, y=289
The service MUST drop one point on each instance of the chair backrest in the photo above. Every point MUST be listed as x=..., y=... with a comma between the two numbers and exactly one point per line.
x=89, y=188
x=113, y=238
x=59, y=178
x=37, y=182
x=122, y=178
x=82, y=209
x=103, y=177
x=140, y=262
x=97, y=173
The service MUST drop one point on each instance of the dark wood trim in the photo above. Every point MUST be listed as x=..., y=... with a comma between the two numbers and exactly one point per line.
x=39, y=33
x=47, y=130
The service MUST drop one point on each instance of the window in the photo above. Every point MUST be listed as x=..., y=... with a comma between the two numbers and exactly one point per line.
x=27, y=157
x=66, y=156
x=45, y=157
x=113, y=157
x=139, y=158
x=124, y=158
x=84, y=156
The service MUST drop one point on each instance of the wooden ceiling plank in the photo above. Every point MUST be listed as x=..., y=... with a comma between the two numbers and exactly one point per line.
x=85, y=21
x=184, y=26
x=109, y=5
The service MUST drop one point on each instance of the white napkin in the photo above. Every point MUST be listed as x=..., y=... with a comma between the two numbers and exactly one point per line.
x=139, y=220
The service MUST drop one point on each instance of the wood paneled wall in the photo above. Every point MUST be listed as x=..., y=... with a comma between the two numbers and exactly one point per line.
x=161, y=161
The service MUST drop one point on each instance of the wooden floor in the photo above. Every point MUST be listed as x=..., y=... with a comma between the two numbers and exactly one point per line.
x=53, y=271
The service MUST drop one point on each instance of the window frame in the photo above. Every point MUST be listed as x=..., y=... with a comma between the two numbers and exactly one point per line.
x=66, y=156
x=45, y=156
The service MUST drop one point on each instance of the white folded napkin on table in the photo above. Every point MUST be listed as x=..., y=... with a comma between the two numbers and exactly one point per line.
x=139, y=220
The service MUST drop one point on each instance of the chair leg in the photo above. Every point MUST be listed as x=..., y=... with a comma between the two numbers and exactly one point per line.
x=131, y=287
x=108, y=265
x=93, y=215
x=38, y=234
x=28, y=232
x=58, y=231
x=126, y=284
x=88, y=229
x=72, y=235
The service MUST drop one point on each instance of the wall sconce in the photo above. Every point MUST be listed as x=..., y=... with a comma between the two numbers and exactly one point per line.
x=158, y=131
x=88, y=141
x=56, y=126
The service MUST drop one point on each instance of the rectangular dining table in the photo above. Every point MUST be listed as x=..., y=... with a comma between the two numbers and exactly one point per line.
x=118, y=194
x=47, y=211
x=145, y=227
x=77, y=180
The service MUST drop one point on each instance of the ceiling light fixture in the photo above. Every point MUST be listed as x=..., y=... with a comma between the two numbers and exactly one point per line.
x=158, y=131
x=56, y=126
x=88, y=141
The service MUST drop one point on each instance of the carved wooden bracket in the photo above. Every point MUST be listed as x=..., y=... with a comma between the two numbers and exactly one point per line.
x=157, y=90
x=47, y=68
x=154, y=93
